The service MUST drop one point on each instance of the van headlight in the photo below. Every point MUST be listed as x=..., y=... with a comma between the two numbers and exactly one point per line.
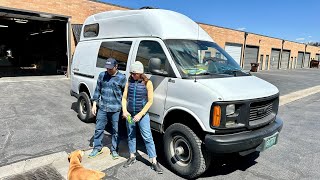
x=230, y=109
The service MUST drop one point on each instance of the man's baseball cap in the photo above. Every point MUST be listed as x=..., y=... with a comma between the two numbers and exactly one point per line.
x=110, y=63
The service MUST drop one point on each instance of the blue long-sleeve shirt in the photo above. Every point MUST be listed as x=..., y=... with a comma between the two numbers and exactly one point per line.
x=108, y=92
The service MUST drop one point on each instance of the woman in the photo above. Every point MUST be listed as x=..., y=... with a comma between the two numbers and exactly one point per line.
x=136, y=101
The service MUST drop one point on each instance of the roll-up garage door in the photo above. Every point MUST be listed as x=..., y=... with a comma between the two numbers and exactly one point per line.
x=285, y=59
x=234, y=50
x=275, y=55
x=306, y=60
x=33, y=43
x=300, y=58
x=251, y=56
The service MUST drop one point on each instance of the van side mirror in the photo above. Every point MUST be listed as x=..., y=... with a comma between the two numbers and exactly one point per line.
x=155, y=67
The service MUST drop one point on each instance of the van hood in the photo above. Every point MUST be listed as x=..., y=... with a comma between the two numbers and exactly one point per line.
x=239, y=88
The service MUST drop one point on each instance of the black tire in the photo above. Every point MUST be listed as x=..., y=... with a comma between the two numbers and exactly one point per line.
x=193, y=159
x=84, y=108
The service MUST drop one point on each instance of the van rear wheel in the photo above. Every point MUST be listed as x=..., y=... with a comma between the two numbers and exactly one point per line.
x=185, y=152
x=84, y=108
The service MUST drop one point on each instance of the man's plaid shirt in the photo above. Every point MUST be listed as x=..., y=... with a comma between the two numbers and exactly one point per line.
x=108, y=92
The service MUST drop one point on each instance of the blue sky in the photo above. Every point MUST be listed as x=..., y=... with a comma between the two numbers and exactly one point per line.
x=294, y=20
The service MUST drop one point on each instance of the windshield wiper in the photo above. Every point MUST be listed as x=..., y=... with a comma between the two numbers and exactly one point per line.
x=235, y=71
x=211, y=73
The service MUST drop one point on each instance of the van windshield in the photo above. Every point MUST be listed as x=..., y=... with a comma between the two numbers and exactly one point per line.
x=202, y=58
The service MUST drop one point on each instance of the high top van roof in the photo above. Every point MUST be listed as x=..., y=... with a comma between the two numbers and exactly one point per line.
x=160, y=23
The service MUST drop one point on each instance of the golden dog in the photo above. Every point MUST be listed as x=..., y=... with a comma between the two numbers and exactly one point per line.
x=78, y=172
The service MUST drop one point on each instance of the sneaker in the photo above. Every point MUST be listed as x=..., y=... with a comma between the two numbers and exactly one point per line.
x=114, y=155
x=157, y=168
x=129, y=162
x=94, y=153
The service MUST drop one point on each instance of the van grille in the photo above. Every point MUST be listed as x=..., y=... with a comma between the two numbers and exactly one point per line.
x=261, y=112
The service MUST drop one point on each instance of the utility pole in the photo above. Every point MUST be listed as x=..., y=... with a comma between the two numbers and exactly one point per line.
x=243, y=49
x=280, y=60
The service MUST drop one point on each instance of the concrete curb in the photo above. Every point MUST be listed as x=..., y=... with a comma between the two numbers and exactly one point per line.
x=29, y=164
x=60, y=162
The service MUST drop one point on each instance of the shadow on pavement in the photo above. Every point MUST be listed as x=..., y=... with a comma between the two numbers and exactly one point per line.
x=74, y=107
x=220, y=164
x=228, y=163
x=106, y=141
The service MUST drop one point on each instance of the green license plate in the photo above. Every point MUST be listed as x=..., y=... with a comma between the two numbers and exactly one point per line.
x=268, y=142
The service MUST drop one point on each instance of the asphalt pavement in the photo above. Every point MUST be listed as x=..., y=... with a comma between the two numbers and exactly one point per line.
x=291, y=80
x=38, y=118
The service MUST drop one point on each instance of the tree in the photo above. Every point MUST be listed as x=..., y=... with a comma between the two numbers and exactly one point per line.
x=314, y=43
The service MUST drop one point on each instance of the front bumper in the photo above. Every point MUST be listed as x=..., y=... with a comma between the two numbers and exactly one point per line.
x=243, y=141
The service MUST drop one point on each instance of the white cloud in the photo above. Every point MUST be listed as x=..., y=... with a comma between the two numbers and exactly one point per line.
x=300, y=39
x=241, y=29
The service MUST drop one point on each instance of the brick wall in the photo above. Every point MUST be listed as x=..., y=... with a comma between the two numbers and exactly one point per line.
x=314, y=50
x=223, y=35
x=79, y=10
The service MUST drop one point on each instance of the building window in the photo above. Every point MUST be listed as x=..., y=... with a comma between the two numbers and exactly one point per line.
x=91, y=30
x=119, y=50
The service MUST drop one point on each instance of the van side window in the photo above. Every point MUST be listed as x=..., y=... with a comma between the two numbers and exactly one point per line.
x=119, y=50
x=91, y=30
x=152, y=49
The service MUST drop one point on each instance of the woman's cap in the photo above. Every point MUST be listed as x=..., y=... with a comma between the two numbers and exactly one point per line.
x=137, y=67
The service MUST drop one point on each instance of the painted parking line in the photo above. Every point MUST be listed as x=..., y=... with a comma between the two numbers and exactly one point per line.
x=288, y=98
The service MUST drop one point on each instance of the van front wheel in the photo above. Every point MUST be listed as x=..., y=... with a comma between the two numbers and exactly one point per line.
x=185, y=152
x=84, y=108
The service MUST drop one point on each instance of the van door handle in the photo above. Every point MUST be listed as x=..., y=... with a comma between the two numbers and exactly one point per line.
x=171, y=80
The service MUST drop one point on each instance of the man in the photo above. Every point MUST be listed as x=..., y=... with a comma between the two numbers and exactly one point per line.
x=108, y=94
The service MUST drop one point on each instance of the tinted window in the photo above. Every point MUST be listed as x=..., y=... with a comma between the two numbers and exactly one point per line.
x=119, y=50
x=151, y=49
x=91, y=30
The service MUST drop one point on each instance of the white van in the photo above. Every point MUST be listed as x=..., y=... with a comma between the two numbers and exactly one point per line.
x=204, y=103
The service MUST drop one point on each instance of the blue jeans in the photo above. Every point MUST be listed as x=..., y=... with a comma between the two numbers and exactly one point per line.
x=145, y=130
x=102, y=119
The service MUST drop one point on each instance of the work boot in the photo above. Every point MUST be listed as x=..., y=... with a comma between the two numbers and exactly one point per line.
x=156, y=166
x=129, y=162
